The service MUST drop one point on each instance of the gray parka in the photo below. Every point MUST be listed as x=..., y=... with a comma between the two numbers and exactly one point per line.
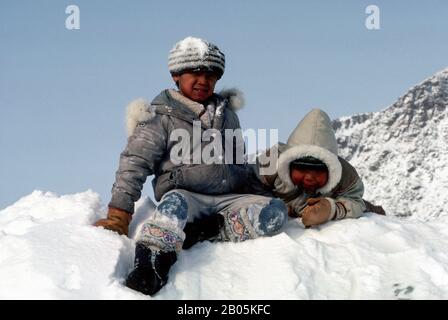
x=315, y=137
x=148, y=149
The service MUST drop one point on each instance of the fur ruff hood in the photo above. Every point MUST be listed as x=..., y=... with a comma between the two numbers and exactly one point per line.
x=314, y=137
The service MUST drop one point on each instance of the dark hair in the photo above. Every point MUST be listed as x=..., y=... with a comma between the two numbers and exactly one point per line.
x=308, y=162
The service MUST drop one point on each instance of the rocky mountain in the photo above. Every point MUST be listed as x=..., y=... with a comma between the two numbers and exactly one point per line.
x=402, y=151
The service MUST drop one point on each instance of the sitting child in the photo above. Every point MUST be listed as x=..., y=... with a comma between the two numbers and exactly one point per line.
x=185, y=190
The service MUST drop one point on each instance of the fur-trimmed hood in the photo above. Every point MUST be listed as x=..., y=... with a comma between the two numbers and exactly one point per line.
x=141, y=110
x=313, y=136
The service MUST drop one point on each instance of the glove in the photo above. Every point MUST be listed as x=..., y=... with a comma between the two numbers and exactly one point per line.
x=317, y=211
x=117, y=220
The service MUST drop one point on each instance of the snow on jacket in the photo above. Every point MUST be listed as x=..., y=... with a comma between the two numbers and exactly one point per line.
x=149, y=147
x=315, y=137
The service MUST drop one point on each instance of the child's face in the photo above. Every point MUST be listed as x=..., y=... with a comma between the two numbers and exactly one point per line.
x=309, y=179
x=198, y=86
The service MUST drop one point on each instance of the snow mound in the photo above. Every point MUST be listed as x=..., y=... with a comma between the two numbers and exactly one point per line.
x=49, y=250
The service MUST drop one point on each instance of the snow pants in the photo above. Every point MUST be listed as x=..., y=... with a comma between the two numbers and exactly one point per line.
x=246, y=217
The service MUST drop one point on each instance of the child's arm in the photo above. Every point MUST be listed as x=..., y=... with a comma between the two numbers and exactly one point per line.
x=348, y=204
x=143, y=152
x=266, y=170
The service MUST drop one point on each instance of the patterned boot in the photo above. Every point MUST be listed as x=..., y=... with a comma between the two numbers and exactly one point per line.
x=151, y=269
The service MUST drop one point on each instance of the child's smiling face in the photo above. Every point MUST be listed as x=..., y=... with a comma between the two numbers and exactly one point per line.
x=309, y=179
x=198, y=86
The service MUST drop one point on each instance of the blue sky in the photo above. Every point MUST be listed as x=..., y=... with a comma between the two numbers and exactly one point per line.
x=63, y=92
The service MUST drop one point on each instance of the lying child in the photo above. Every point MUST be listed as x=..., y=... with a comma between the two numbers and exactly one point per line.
x=314, y=182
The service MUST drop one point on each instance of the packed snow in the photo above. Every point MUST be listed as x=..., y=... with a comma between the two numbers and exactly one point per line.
x=49, y=250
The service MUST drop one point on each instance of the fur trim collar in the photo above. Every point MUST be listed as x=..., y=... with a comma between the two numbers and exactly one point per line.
x=329, y=158
x=235, y=97
x=141, y=110
x=137, y=111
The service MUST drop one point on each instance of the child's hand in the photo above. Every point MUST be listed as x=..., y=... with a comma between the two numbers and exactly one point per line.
x=117, y=220
x=317, y=211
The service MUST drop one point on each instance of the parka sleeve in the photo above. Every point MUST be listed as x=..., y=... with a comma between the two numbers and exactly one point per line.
x=143, y=153
x=348, y=204
x=267, y=169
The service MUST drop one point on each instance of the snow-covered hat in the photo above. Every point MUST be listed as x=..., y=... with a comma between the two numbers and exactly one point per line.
x=194, y=54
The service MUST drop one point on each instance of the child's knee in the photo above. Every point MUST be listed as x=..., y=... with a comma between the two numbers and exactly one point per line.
x=272, y=218
x=174, y=205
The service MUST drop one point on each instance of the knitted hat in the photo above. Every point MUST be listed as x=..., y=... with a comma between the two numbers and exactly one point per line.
x=194, y=54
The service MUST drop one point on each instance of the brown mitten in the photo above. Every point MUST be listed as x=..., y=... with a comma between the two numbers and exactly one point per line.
x=317, y=211
x=117, y=220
